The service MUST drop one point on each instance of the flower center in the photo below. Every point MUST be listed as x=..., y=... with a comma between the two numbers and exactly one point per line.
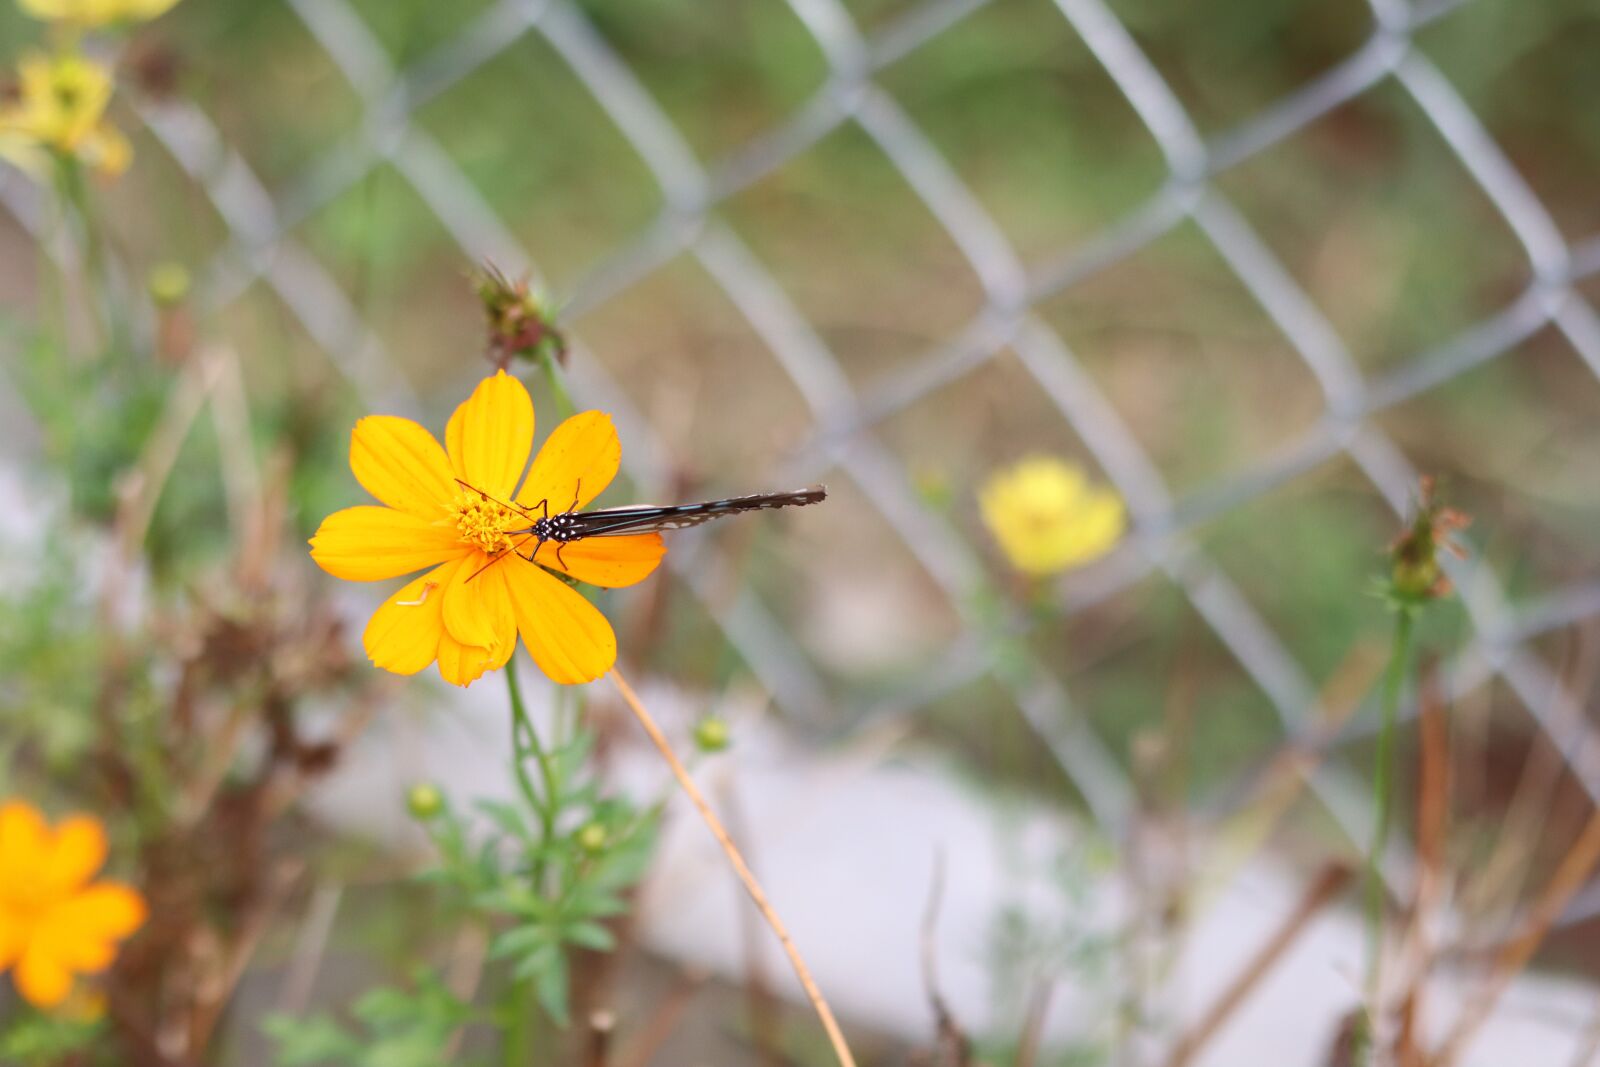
x=484, y=524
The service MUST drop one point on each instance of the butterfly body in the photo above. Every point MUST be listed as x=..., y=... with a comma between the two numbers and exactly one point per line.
x=571, y=525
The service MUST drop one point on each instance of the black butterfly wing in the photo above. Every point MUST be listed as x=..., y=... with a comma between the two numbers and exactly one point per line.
x=611, y=522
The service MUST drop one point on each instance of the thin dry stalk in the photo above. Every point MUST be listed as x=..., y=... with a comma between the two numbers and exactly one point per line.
x=1502, y=877
x=1328, y=885
x=601, y=1024
x=952, y=1048
x=746, y=877
x=1433, y=810
x=758, y=991
x=662, y=1024
x=212, y=999
x=1575, y=868
x=1284, y=779
x=309, y=948
x=1033, y=1022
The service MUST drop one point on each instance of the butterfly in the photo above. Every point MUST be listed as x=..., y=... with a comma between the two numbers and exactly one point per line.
x=573, y=525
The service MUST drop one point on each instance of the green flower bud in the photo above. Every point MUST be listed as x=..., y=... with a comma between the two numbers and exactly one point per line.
x=711, y=734
x=592, y=837
x=168, y=283
x=424, y=801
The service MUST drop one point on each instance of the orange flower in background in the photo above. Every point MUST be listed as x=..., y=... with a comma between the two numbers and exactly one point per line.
x=55, y=924
x=452, y=509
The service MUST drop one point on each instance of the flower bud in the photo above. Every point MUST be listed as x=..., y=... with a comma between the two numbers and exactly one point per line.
x=592, y=837
x=168, y=283
x=520, y=323
x=711, y=734
x=424, y=801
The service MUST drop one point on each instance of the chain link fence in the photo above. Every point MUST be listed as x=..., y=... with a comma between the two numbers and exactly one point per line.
x=846, y=419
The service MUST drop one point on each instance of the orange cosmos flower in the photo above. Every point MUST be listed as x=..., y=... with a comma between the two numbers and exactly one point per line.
x=452, y=509
x=53, y=923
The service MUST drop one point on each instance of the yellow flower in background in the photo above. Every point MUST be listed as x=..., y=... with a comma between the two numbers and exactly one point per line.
x=61, y=107
x=452, y=509
x=92, y=13
x=54, y=923
x=1047, y=517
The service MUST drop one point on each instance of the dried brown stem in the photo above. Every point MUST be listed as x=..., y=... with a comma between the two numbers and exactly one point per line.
x=741, y=869
x=1575, y=868
x=1328, y=885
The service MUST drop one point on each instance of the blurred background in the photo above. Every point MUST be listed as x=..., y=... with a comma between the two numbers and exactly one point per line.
x=1255, y=266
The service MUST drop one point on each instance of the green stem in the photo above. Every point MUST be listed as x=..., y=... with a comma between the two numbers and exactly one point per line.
x=1383, y=796
x=558, y=388
x=518, y=1004
x=525, y=743
x=79, y=209
x=519, y=1039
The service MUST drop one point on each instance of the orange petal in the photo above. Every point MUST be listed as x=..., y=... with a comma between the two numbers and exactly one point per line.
x=13, y=937
x=43, y=980
x=461, y=664
x=400, y=463
x=24, y=841
x=108, y=911
x=403, y=635
x=611, y=562
x=575, y=464
x=566, y=635
x=370, y=543
x=77, y=851
x=490, y=435
x=476, y=609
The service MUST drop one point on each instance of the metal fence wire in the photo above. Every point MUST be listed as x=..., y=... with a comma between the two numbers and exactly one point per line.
x=846, y=420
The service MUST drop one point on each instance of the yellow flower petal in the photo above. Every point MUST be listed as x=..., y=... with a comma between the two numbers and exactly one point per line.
x=400, y=463
x=403, y=635
x=1047, y=517
x=81, y=931
x=369, y=543
x=76, y=853
x=24, y=842
x=477, y=610
x=566, y=635
x=13, y=936
x=43, y=980
x=611, y=562
x=490, y=435
x=461, y=664
x=574, y=465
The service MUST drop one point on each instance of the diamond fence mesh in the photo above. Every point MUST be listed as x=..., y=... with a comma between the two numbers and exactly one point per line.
x=844, y=435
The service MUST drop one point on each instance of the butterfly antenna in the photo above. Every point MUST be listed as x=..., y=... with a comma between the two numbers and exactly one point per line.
x=494, y=500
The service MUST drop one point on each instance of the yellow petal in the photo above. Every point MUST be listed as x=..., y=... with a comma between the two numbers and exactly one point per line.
x=574, y=465
x=403, y=635
x=369, y=543
x=490, y=435
x=77, y=852
x=611, y=562
x=477, y=610
x=43, y=980
x=13, y=937
x=566, y=635
x=461, y=664
x=147, y=9
x=24, y=842
x=400, y=463
x=82, y=931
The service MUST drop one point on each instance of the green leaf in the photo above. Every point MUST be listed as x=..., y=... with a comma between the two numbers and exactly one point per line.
x=591, y=935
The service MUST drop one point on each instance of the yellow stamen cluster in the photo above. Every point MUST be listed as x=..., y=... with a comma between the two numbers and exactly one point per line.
x=485, y=524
